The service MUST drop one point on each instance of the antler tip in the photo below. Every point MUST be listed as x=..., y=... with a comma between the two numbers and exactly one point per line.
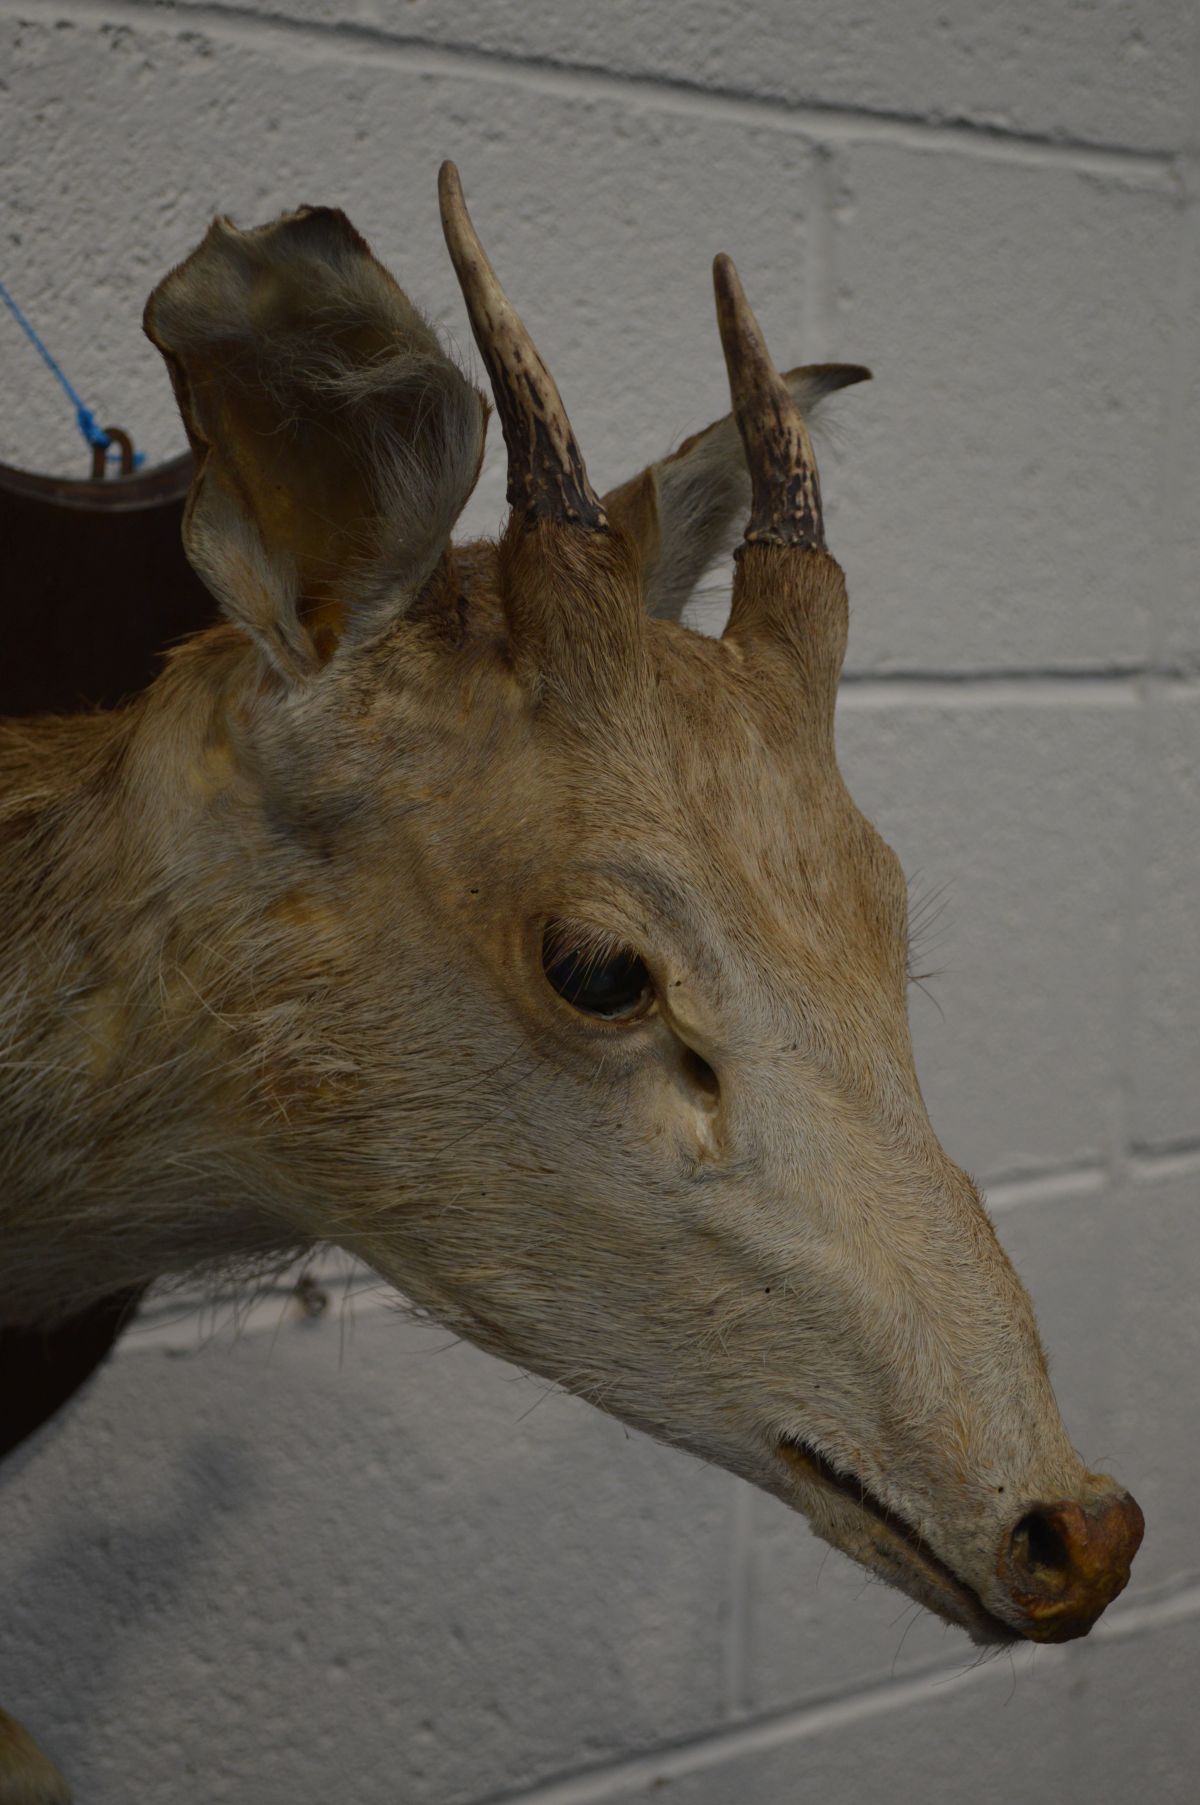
x=786, y=501
x=735, y=317
x=726, y=281
x=546, y=475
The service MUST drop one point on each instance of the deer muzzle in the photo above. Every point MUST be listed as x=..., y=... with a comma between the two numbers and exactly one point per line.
x=1057, y=1568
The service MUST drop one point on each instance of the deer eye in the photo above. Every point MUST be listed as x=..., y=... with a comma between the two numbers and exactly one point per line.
x=599, y=979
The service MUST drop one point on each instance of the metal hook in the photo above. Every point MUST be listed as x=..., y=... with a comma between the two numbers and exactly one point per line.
x=124, y=444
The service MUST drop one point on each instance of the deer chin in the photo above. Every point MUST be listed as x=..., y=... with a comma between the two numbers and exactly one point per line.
x=847, y=1514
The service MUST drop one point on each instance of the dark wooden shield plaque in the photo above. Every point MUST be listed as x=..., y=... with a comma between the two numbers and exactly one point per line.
x=95, y=586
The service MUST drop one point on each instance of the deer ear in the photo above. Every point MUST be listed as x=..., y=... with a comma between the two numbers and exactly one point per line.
x=688, y=510
x=335, y=441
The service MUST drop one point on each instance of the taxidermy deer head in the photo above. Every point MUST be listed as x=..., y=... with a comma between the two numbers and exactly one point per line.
x=456, y=904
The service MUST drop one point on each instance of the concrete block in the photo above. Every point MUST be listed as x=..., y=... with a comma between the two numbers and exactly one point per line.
x=1019, y=321
x=1138, y=1732
x=601, y=214
x=284, y=1571
x=818, y=1627
x=1155, y=1356
x=1091, y=72
x=966, y=280
x=369, y=1561
x=1179, y=605
x=1107, y=1722
x=1166, y=943
x=1067, y=1241
x=1015, y=811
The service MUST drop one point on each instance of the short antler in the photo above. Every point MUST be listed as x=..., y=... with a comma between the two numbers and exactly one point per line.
x=546, y=474
x=788, y=591
x=786, y=490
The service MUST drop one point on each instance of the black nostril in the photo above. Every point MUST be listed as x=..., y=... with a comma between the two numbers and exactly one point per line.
x=1039, y=1547
x=1065, y=1562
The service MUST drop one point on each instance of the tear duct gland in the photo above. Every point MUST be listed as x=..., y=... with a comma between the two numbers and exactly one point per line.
x=287, y=912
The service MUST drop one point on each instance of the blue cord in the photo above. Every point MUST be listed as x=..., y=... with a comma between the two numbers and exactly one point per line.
x=86, y=420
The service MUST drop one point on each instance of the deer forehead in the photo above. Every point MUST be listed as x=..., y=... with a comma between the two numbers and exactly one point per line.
x=679, y=810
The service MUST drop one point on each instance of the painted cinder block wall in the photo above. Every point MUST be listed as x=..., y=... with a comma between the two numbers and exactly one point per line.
x=270, y=1559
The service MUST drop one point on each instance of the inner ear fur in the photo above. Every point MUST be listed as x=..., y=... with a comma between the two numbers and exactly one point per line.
x=688, y=510
x=336, y=443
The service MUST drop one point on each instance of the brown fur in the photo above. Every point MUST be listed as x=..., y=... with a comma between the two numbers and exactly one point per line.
x=272, y=970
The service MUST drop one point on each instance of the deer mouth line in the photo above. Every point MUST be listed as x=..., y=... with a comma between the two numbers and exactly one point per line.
x=912, y=1564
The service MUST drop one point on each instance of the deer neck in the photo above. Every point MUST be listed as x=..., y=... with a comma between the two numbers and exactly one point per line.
x=135, y=1108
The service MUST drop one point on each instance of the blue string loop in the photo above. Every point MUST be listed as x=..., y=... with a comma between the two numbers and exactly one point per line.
x=85, y=419
x=91, y=429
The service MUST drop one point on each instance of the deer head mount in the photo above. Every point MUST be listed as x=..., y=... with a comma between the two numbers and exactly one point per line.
x=495, y=926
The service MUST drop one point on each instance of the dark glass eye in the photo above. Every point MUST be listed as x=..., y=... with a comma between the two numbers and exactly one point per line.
x=612, y=984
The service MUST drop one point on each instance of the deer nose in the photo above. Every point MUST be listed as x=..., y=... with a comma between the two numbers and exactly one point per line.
x=1064, y=1563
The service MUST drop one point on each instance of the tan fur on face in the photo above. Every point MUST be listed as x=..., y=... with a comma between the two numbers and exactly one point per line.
x=274, y=973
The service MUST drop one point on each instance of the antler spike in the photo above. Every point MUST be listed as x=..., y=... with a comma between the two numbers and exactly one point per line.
x=547, y=478
x=786, y=491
